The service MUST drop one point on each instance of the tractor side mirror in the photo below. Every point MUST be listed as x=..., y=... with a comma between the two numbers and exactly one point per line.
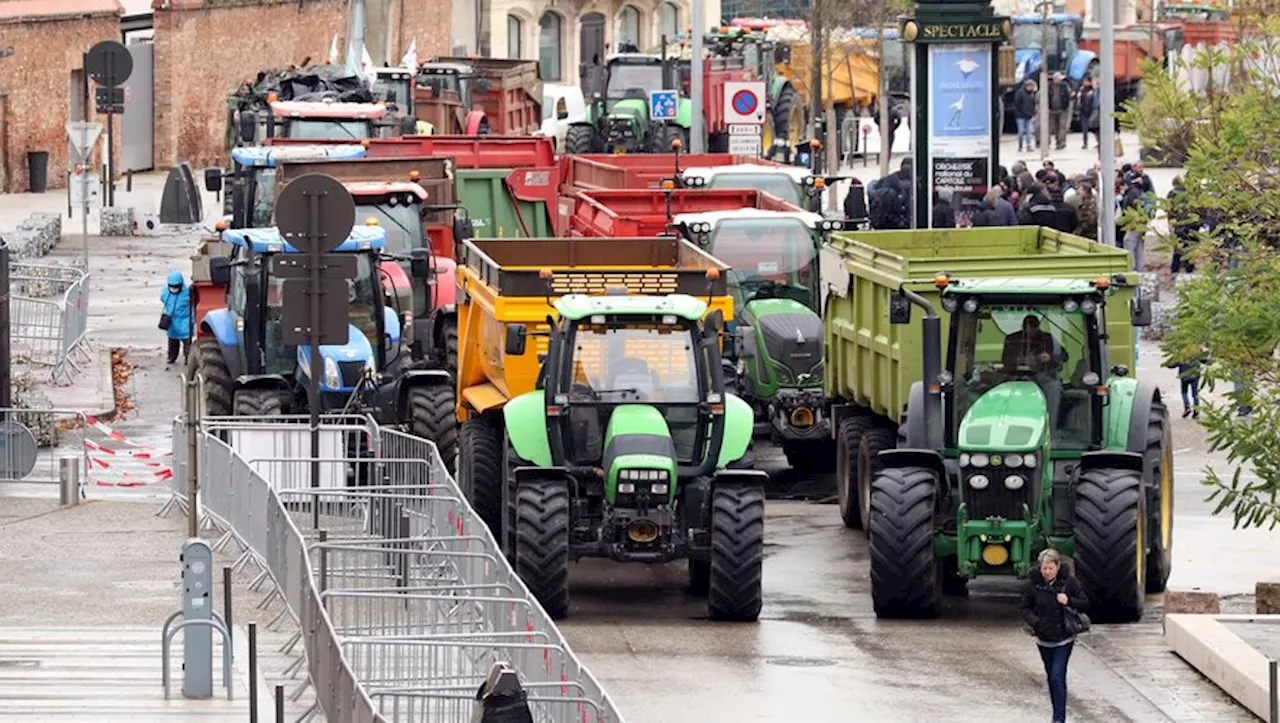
x=899, y=309
x=248, y=126
x=213, y=180
x=517, y=337
x=420, y=265
x=408, y=125
x=744, y=342
x=712, y=324
x=220, y=270
x=1140, y=312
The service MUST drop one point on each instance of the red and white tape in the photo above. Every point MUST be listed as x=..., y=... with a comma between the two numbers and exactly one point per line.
x=122, y=463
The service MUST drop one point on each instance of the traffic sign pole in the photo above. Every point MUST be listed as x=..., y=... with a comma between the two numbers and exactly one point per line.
x=84, y=198
x=697, y=129
x=110, y=171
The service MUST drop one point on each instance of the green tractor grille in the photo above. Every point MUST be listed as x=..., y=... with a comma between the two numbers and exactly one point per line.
x=995, y=499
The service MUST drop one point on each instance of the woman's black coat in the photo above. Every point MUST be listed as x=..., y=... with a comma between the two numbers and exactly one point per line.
x=1041, y=609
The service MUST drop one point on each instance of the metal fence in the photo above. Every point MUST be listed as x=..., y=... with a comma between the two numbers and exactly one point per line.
x=405, y=600
x=49, y=312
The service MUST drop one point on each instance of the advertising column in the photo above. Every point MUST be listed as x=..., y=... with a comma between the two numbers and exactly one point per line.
x=960, y=119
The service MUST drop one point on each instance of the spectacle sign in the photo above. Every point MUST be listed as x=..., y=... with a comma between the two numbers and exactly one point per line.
x=744, y=102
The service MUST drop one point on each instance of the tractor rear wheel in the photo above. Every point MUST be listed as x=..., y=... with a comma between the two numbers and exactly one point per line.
x=449, y=335
x=1110, y=558
x=542, y=543
x=480, y=473
x=735, y=589
x=665, y=135
x=872, y=443
x=258, y=402
x=432, y=417
x=1159, y=481
x=906, y=575
x=787, y=123
x=579, y=139
x=206, y=360
x=848, y=442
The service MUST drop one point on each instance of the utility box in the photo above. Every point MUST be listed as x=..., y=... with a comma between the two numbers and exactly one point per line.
x=197, y=604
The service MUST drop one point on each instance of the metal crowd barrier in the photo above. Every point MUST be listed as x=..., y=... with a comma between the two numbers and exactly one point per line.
x=49, y=317
x=403, y=596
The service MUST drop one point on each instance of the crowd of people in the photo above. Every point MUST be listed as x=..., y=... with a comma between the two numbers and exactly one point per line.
x=1026, y=112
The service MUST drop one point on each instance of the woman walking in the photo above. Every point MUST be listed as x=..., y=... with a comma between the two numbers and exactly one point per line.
x=175, y=320
x=1050, y=590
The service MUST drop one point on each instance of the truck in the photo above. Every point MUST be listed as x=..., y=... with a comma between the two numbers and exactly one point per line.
x=1005, y=421
x=613, y=434
x=618, y=116
x=479, y=96
x=651, y=213
x=249, y=370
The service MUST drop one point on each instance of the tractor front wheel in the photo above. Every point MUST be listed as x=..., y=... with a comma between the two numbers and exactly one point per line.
x=872, y=443
x=206, y=361
x=848, y=442
x=906, y=575
x=542, y=544
x=579, y=140
x=259, y=403
x=432, y=417
x=1110, y=555
x=735, y=589
x=449, y=339
x=480, y=473
x=665, y=136
x=1159, y=461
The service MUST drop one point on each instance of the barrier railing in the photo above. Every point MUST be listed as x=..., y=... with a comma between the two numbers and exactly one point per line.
x=49, y=317
x=404, y=598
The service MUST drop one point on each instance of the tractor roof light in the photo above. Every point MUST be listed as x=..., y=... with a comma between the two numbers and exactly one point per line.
x=221, y=226
x=819, y=183
x=1102, y=283
x=713, y=274
x=544, y=273
x=941, y=281
x=668, y=185
x=414, y=175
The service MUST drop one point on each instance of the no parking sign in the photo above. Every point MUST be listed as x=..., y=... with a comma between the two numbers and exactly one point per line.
x=744, y=102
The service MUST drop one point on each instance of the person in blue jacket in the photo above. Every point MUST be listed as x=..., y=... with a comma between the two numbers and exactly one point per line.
x=177, y=306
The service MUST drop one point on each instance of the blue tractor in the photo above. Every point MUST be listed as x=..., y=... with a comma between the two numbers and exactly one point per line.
x=248, y=202
x=1064, y=54
x=248, y=369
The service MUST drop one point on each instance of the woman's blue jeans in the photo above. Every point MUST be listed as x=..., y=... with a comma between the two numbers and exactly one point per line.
x=1026, y=133
x=1055, y=669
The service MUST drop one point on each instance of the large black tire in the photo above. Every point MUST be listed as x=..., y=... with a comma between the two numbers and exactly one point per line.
x=542, y=544
x=735, y=590
x=848, y=441
x=579, y=139
x=665, y=135
x=432, y=417
x=873, y=442
x=906, y=575
x=206, y=359
x=449, y=339
x=782, y=110
x=1159, y=471
x=1110, y=529
x=480, y=471
x=268, y=402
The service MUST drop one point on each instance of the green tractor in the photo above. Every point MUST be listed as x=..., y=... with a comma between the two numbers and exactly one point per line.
x=623, y=452
x=1028, y=438
x=618, y=116
x=762, y=56
x=777, y=353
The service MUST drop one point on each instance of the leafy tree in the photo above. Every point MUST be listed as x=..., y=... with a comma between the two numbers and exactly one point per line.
x=1228, y=125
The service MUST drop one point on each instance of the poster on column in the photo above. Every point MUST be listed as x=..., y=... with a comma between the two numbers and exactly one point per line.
x=960, y=125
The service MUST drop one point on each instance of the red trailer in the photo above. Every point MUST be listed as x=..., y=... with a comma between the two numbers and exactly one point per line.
x=636, y=213
x=466, y=151
x=633, y=170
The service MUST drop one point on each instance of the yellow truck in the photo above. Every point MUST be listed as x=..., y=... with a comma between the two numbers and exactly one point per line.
x=612, y=434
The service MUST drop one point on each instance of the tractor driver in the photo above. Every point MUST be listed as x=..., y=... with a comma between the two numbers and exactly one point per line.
x=1036, y=349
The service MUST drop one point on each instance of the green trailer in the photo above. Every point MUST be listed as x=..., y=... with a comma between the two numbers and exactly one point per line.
x=502, y=203
x=1008, y=420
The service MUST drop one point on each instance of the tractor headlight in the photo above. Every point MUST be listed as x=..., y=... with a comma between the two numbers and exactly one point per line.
x=1088, y=306
x=980, y=460
x=1030, y=461
x=1014, y=482
x=971, y=305
x=659, y=489
x=979, y=482
x=1091, y=379
x=964, y=459
x=949, y=305
x=1013, y=460
x=332, y=377
x=626, y=488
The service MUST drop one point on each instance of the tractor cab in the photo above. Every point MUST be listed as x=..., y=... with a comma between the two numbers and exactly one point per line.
x=1064, y=33
x=619, y=111
x=253, y=174
x=786, y=182
x=448, y=80
x=394, y=86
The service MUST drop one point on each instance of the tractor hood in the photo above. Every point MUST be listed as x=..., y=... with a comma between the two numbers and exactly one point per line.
x=344, y=364
x=1011, y=417
x=638, y=449
x=790, y=335
x=1027, y=61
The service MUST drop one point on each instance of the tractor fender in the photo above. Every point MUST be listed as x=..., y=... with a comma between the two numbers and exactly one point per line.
x=1144, y=398
x=261, y=381
x=219, y=323
x=914, y=457
x=1111, y=459
x=917, y=434
x=684, y=114
x=739, y=428
x=1079, y=65
x=414, y=378
x=525, y=420
x=777, y=87
x=740, y=478
x=474, y=118
x=391, y=322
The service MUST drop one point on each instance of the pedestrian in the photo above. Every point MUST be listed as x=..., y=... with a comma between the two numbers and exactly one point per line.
x=1050, y=590
x=1141, y=178
x=1184, y=223
x=1189, y=379
x=1005, y=214
x=986, y=216
x=1064, y=216
x=1040, y=210
x=175, y=320
x=1134, y=239
x=944, y=215
x=1087, y=108
x=1024, y=113
x=1059, y=109
x=1088, y=213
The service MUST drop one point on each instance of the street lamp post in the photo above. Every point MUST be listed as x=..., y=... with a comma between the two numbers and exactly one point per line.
x=1044, y=8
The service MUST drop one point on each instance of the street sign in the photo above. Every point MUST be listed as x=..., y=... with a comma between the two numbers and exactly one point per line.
x=82, y=136
x=109, y=100
x=744, y=145
x=295, y=314
x=17, y=450
x=744, y=129
x=744, y=102
x=297, y=266
x=85, y=189
x=335, y=213
x=109, y=63
x=663, y=104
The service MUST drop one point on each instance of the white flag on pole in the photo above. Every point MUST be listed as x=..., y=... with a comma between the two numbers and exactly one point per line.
x=333, y=51
x=366, y=65
x=410, y=59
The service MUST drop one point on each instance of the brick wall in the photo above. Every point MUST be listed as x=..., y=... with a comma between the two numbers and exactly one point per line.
x=204, y=49
x=38, y=78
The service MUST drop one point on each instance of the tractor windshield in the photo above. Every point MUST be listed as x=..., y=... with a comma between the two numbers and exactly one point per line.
x=781, y=185
x=395, y=91
x=404, y=234
x=326, y=129
x=441, y=83
x=1026, y=36
x=767, y=258
x=264, y=189
x=1048, y=345
x=364, y=305
x=634, y=361
x=634, y=79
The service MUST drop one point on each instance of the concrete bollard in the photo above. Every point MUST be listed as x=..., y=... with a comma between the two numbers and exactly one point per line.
x=1267, y=598
x=1191, y=602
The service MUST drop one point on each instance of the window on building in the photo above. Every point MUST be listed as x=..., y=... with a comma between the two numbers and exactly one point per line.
x=549, y=38
x=629, y=28
x=514, y=28
x=669, y=20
